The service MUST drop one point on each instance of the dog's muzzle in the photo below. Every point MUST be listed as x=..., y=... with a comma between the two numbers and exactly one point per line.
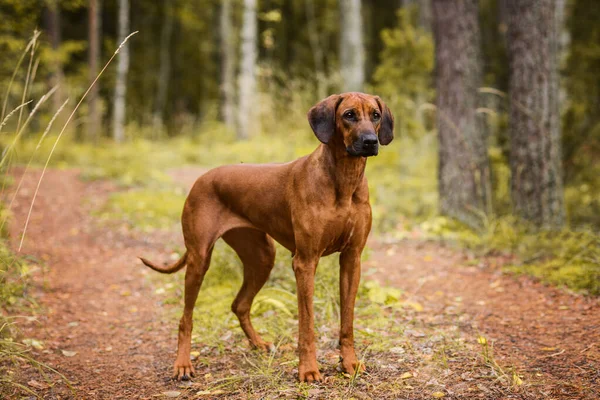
x=365, y=146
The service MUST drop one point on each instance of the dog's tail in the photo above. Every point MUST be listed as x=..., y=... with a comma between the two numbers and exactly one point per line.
x=169, y=269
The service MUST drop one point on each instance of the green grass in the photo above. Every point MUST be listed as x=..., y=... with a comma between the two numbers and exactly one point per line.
x=407, y=355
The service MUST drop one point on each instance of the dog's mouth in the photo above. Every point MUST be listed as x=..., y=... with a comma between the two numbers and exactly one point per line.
x=359, y=150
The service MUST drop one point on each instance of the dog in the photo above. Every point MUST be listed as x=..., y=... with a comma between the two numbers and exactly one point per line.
x=314, y=206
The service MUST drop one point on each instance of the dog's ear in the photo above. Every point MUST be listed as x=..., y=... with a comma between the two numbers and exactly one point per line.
x=386, y=131
x=321, y=117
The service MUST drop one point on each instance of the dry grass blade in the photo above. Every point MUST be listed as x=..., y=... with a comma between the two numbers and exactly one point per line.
x=10, y=114
x=12, y=78
x=22, y=128
x=31, y=159
x=62, y=132
x=28, y=77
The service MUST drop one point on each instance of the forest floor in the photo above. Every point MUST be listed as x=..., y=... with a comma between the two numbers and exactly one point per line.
x=102, y=327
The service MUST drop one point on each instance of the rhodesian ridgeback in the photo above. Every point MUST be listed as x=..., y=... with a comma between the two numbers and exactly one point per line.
x=313, y=206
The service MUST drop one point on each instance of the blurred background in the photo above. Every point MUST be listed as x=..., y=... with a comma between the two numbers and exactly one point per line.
x=491, y=186
x=497, y=104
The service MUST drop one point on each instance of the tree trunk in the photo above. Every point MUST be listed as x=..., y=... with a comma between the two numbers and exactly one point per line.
x=247, y=78
x=53, y=28
x=352, y=58
x=314, y=38
x=534, y=125
x=464, y=175
x=94, y=120
x=122, y=68
x=227, y=66
x=164, y=70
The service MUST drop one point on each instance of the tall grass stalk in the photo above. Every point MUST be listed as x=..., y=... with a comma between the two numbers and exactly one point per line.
x=62, y=132
x=12, y=78
x=31, y=159
x=28, y=77
x=10, y=114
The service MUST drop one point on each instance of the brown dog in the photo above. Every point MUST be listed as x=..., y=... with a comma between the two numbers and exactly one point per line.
x=314, y=206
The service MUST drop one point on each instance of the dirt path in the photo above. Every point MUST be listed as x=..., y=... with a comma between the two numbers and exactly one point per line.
x=96, y=302
x=551, y=336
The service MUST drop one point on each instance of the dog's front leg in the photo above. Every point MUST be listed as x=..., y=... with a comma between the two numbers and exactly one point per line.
x=304, y=269
x=349, y=281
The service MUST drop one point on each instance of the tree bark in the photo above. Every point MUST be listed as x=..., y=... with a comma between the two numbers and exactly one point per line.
x=122, y=69
x=464, y=174
x=94, y=120
x=164, y=69
x=54, y=32
x=352, y=58
x=314, y=38
x=227, y=66
x=247, y=78
x=534, y=124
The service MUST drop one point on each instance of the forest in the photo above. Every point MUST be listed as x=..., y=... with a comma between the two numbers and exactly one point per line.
x=481, y=274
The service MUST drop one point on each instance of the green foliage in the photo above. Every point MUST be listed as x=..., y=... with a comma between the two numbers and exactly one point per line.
x=581, y=122
x=403, y=78
x=14, y=275
x=145, y=209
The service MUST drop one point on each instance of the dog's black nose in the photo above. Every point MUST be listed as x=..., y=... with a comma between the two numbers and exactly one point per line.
x=369, y=140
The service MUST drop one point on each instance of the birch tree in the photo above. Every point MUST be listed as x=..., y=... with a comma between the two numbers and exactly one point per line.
x=352, y=58
x=247, y=77
x=227, y=65
x=122, y=68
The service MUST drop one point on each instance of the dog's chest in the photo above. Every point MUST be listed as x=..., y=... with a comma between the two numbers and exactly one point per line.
x=341, y=227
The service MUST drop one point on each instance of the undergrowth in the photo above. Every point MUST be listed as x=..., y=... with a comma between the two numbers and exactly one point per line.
x=569, y=258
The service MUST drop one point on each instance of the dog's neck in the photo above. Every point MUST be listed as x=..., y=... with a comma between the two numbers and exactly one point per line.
x=345, y=171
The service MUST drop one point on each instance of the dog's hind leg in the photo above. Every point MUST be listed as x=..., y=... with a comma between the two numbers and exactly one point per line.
x=197, y=265
x=257, y=252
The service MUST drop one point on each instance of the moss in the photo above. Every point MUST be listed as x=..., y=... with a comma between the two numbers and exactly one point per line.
x=145, y=209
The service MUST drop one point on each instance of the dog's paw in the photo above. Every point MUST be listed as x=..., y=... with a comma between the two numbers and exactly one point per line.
x=309, y=374
x=183, y=371
x=353, y=366
x=267, y=347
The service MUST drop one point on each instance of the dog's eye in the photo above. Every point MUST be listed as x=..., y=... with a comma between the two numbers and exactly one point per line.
x=349, y=115
x=376, y=116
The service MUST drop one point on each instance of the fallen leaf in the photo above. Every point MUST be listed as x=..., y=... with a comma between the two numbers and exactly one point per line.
x=517, y=381
x=38, y=385
x=68, y=353
x=171, y=393
x=415, y=306
x=406, y=375
x=438, y=395
x=36, y=344
x=210, y=393
x=194, y=355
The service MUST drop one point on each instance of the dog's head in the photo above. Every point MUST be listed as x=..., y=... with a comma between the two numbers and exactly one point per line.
x=358, y=121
